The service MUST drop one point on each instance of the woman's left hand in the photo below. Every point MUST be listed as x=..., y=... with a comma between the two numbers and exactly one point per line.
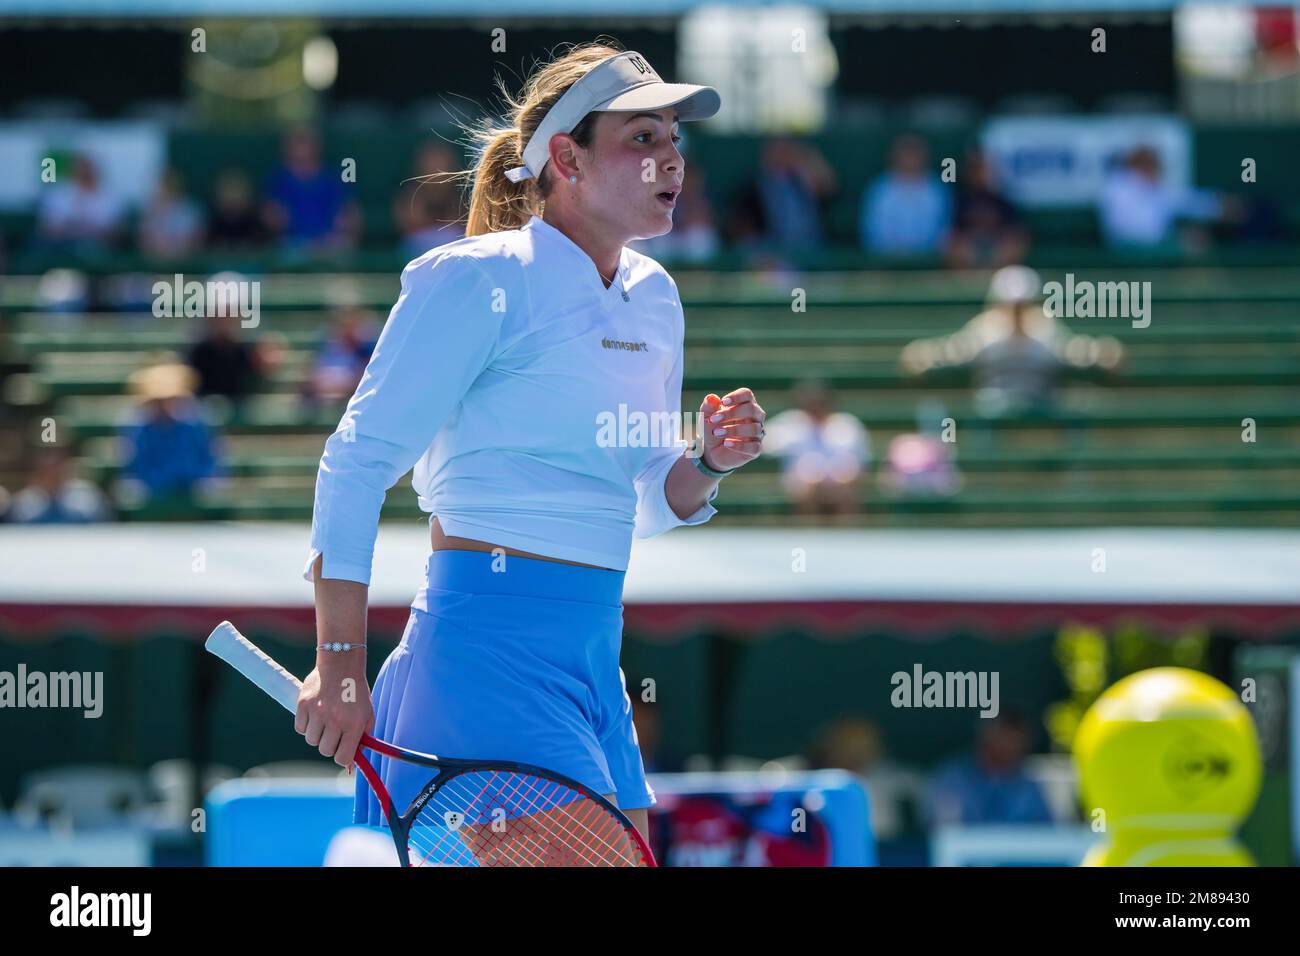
x=736, y=438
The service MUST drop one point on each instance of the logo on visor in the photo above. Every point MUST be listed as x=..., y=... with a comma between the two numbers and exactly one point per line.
x=641, y=65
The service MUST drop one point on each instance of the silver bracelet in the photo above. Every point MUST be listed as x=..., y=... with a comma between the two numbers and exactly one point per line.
x=338, y=646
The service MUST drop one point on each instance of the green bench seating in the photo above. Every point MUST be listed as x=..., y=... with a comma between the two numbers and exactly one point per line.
x=1067, y=507
x=109, y=379
x=280, y=414
x=709, y=330
x=1033, y=463
x=1157, y=443
x=860, y=285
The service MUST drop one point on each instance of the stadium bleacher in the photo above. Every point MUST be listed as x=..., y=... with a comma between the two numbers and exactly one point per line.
x=1161, y=440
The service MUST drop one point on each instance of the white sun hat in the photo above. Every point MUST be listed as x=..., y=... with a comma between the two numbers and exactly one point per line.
x=1012, y=284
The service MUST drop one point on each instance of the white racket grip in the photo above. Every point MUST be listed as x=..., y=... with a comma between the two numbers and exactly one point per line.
x=243, y=655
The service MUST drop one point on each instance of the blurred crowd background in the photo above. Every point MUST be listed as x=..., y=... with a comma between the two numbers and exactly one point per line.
x=892, y=142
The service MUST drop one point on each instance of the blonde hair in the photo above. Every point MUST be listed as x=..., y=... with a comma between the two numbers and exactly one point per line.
x=495, y=203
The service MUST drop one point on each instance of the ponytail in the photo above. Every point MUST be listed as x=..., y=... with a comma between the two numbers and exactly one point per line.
x=495, y=203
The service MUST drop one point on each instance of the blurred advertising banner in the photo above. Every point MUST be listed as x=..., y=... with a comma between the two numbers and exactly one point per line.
x=129, y=158
x=817, y=818
x=1063, y=160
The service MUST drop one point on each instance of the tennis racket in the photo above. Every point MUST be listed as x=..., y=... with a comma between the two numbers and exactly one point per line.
x=471, y=812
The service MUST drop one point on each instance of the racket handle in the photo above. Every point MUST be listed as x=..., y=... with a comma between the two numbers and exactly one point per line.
x=243, y=655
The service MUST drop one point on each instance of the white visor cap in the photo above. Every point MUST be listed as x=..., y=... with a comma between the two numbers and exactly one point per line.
x=622, y=83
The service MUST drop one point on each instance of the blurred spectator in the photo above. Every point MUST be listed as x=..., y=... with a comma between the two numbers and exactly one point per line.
x=823, y=452
x=170, y=452
x=921, y=464
x=1016, y=373
x=342, y=357
x=989, y=786
x=855, y=744
x=63, y=296
x=782, y=208
x=428, y=211
x=745, y=228
x=645, y=718
x=694, y=236
x=80, y=217
x=795, y=184
x=1137, y=208
x=907, y=210
x=306, y=204
x=224, y=364
x=1016, y=351
x=234, y=220
x=171, y=225
x=227, y=366
x=986, y=230
x=54, y=495
x=695, y=231
x=1255, y=219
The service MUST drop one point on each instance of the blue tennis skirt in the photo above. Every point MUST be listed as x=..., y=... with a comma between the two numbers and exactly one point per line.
x=509, y=658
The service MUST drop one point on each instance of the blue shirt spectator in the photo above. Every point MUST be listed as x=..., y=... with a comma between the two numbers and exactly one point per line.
x=169, y=449
x=81, y=217
x=306, y=204
x=341, y=358
x=171, y=225
x=1137, y=208
x=907, y=210
x=427, y=209
x=964, y=792
x=170, y=452
x=311, y=203
x=54, y=495
x=989, y=786
x=795, y=182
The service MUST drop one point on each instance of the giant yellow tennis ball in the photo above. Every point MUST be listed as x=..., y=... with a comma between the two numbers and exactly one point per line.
x=1168, y=750
x=1134, y=848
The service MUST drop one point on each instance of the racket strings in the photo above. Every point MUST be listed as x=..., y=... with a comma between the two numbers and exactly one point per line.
x=541, y=806
x=530, y=810
x=592, y=816
x=500, y=818
x=602, y=829
x=468, y=847
x=524, y=854
x=451, y=844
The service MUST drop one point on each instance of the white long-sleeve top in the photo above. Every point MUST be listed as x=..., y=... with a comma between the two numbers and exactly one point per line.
x=534, y=404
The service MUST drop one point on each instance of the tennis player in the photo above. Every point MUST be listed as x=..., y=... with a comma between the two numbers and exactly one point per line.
x=502, y=374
